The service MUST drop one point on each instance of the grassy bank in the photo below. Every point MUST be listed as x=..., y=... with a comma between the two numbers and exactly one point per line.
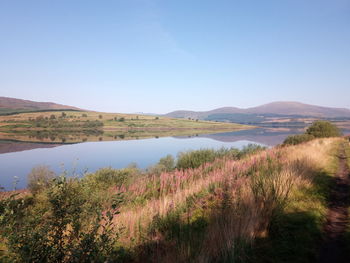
x=72, y=126
x=253, y=205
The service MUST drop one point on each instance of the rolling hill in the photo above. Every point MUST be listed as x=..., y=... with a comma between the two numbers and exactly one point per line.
x=12, y=105
x=260, y=113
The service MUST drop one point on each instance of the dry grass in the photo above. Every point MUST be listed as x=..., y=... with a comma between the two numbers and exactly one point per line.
x=240, y=198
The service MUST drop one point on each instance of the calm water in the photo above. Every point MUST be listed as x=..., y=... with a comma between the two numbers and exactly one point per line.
x=17, y=159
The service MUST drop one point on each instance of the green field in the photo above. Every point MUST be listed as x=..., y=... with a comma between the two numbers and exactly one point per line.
x=77, y=126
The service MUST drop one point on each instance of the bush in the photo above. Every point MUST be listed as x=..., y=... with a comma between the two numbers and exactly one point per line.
x=107, y=177
x=40, y=178
x=61, y=227
x=297, y=139
x=250, y=149
x=195, y=159
x=318, y=129
x=165, y=164
x=168, y=162
x=322, y=129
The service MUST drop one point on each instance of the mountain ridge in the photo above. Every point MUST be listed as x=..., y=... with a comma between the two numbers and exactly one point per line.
x=287, y=108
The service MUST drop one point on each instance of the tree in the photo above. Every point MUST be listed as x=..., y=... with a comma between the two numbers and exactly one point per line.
x=321, y=129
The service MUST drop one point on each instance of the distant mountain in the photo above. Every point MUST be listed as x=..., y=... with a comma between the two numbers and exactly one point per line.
x=297, y=108
x=10, y=105
x=260, y=113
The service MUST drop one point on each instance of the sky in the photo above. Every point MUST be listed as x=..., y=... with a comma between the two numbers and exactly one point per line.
x=156, y=56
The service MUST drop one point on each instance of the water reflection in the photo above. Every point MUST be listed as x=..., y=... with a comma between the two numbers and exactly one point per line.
x=18, y=158
x=269, y=137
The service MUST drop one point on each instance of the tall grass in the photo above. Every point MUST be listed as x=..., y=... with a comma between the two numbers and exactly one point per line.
x=207, y=212
x=238, y=199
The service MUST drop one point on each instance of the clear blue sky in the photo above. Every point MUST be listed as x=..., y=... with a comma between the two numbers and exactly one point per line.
x=159, y=56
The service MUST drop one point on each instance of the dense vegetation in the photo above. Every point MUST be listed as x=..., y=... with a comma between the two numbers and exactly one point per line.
x=318, y=129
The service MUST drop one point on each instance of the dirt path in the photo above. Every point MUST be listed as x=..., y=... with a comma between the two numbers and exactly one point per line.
x=333, y=247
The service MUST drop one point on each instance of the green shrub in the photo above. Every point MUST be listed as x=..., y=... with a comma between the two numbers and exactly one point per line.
x=322, y=129
x=195, y=159
x=61, y=226
x=40, y=178
x=165, y=164
x=168, y=162
x=250, y=149
x=107, y=177
x=297, y=139
x=318, y=129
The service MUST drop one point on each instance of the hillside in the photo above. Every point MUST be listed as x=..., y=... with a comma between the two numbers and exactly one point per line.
x=12, y=105
x=273, y=109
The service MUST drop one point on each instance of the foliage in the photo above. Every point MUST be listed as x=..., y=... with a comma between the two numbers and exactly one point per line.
x=195, y=159
x=165, y=164
x=318, y=129
x=40, y=178
x=107, y=177
x=250, y=149
x=297, y=139
x=323, y=129
x=168, y=162
x=59, y=226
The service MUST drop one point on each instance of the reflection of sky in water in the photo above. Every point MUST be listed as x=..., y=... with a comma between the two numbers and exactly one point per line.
x=95, y=155
x=118, y=154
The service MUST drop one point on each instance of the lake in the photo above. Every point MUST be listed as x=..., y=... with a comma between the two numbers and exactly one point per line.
x=18, y=158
